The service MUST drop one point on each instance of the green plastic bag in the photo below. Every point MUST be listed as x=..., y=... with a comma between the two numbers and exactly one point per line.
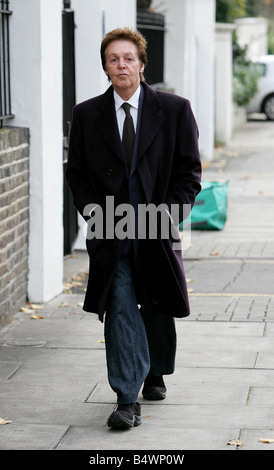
x=210, y=209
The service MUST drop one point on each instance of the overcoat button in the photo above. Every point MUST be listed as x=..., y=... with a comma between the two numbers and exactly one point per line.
x=109, y=171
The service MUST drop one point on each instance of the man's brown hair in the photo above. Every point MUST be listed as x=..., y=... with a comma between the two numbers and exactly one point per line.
x=126, y=34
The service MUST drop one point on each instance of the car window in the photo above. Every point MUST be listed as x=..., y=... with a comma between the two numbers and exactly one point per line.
x=259, y=68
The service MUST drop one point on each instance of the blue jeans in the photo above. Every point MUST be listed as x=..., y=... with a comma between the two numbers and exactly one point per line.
x=137, y=341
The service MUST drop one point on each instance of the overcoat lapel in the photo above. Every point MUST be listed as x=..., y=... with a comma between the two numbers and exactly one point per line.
x=151, y=121
x=106, y=123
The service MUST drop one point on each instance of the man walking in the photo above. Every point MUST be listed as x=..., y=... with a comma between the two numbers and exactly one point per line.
x=137, y=147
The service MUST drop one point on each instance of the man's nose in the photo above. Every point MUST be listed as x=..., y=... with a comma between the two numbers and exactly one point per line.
x=121, y=63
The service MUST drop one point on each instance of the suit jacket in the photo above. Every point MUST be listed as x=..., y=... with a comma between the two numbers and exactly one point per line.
x=167, y=170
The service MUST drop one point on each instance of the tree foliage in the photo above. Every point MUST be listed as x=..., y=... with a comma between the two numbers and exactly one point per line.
x=228, y=10
x=245, y=78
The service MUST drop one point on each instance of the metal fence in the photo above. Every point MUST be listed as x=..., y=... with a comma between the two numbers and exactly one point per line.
x=152, y=26
x=5, y=98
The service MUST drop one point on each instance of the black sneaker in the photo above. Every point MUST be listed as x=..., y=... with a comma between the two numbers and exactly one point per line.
x=154, y=388
x=125, y=416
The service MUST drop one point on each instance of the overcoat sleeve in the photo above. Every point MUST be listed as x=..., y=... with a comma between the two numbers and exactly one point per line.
x=185, y=178
x=77, y=171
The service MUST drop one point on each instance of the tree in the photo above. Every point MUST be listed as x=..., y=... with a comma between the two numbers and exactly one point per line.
x=228, y=10
x=252, y=8
x=245, y=78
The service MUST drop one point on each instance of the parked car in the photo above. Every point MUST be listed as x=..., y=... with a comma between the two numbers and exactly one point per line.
x=263, y=101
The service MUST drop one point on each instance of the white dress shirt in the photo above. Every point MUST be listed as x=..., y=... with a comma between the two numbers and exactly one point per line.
x=120, y=113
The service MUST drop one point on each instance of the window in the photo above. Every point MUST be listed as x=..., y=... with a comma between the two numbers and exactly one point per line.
x=259, y=68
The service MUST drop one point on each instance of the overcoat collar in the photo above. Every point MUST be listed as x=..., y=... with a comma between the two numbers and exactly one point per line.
x=151, y=120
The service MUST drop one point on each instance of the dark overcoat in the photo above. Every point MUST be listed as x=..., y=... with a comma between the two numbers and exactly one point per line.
x=169, y=169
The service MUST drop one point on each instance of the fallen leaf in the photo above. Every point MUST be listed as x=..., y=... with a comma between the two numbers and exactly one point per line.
x=79, y=277
x=266, y=441
x=214, y=253
x=101, y=341
x=235, y=442
x=36, y=317
x=80, y=304
x=76, y=284
x=232, y=154
x=5, y=421
x=36, y=307
x=190, y=280
x=190, y=290
x=26, y=310
x=67, y=285
x=64, y=304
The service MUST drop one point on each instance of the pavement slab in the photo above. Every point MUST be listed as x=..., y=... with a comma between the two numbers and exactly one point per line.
x=145, y=437
x=31, y=436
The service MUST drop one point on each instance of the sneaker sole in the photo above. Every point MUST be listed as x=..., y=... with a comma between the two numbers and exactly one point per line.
x=155, y=395
x=120, y=422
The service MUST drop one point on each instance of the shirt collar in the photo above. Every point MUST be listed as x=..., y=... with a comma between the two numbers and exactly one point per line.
x=133, y=100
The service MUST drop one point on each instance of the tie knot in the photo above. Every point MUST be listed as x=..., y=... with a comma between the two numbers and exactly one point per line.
x=126, y=107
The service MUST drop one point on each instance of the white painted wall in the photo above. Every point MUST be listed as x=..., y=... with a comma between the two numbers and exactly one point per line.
x=189, y=60
x=92, y=18
x=252, y=32
x=36, y=87
x=205, y=96
x=223, y=82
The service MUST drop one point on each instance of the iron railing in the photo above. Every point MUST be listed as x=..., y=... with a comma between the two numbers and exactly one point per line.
x=5, y=96
x=152, y=26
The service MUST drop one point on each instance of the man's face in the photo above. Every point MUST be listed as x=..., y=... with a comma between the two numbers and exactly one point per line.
x=123, y=67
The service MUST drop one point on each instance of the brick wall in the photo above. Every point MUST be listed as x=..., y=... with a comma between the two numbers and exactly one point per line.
x=14, y=220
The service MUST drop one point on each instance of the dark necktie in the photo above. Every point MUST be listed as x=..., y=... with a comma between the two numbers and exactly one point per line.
x=128, y=138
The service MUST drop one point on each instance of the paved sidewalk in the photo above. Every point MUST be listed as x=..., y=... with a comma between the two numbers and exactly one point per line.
x=53, y=383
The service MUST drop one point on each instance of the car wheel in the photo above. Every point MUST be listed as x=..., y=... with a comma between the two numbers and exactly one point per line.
x=268, y=107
